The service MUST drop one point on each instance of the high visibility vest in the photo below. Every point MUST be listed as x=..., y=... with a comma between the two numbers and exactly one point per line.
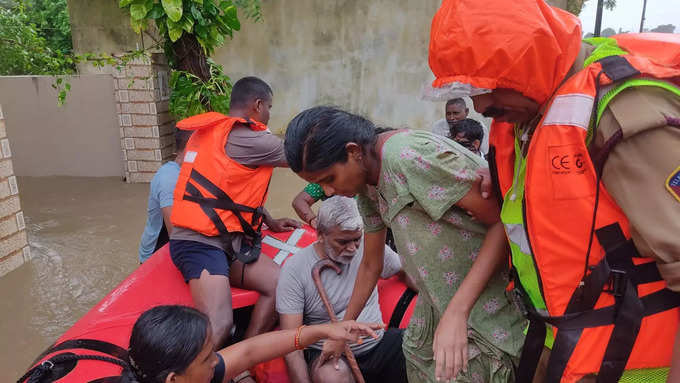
x=216, y=195
x=577, y=269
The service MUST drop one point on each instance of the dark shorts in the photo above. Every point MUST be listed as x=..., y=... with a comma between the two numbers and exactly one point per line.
x=384, y=363
x=192, y=257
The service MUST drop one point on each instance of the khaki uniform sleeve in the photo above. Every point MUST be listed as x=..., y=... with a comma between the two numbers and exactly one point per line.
x=637, y=168
x=255, y=148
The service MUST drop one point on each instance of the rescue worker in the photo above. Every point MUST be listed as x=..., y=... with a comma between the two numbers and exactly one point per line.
x=585, y=152
x=219, y=210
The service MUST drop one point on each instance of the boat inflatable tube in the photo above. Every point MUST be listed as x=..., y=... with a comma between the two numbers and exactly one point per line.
x=94, y=349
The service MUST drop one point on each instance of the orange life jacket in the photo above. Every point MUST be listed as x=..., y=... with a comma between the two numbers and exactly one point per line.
x=216, y=195
x=609, y=307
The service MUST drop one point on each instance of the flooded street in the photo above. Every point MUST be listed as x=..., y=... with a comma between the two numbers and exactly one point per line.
x=83, y=234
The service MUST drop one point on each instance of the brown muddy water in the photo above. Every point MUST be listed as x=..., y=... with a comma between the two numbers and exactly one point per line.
x=83, y=234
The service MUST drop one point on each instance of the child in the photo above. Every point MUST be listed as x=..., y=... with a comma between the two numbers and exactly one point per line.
x=469, y=133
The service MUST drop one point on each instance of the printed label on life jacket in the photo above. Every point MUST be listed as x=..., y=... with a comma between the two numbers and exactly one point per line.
x=190, y=157
x=567, y=166
x=673, y=183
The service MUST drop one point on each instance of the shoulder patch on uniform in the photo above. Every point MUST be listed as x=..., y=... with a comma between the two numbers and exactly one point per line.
x=673, y=183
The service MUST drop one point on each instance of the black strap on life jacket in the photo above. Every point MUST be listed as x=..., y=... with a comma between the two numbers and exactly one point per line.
x=61, y=364
x=617, y=68
x=534, y=340
x=86, y=344
x=401, y=307
x=493, y=171
x=249, y=252
x=615, y=274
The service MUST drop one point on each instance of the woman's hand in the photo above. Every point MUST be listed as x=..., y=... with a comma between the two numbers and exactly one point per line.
x=351, y=331
x=339, y=333
x=450, y=346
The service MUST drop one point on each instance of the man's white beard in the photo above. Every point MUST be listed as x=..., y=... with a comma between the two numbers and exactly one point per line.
x=345, y=260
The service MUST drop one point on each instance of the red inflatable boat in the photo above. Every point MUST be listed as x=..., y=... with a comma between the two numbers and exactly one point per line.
x=95, y=348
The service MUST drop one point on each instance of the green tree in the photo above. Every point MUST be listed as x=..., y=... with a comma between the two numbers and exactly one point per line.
x=664, y=28
x=24, y=50
x=7, y=4
x=52, y=22
x=190, y=31
x=576, y=6
x=608, y=32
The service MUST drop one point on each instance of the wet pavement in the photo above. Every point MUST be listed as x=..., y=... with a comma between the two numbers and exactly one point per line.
x=83, y=234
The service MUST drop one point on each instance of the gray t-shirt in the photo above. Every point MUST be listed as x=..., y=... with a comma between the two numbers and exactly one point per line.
x=250, y=148
x=297, y=294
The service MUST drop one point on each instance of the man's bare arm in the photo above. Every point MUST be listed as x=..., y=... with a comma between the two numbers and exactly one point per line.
x=167, y=213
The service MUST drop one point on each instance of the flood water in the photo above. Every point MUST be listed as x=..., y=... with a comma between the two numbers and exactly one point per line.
x=83, y=234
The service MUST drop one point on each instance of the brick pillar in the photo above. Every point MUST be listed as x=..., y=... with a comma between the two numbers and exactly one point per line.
x=146, y=127
x=14, y=250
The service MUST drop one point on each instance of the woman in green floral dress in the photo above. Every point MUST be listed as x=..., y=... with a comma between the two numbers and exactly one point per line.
x=421, y=186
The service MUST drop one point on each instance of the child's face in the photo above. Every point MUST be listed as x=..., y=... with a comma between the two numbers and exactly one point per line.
x=464, y=141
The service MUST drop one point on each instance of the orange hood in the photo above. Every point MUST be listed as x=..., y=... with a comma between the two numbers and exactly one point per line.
x=524, y=45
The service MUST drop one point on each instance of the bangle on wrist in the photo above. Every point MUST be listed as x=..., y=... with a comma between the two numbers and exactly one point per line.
x=299, y=346
x=241, y=376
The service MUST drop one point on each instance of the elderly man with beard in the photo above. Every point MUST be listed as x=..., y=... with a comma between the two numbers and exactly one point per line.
x=340, y=231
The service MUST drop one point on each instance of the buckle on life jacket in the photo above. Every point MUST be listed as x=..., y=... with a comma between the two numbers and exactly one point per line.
x=222, y=201
x=615, y=274
x=617, y=283
x=517, y=298
x=249, y=253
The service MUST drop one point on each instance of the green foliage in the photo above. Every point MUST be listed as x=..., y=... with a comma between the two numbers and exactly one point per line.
x=208, y=20
x=35, y=39
x=608, y=32
x=190, y=95
x=24, y=50
x=664, y=28
x=575, y=6
x=51, y=19
x=252, y=9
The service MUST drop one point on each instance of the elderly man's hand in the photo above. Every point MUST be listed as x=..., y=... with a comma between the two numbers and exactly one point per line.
x=332, y=350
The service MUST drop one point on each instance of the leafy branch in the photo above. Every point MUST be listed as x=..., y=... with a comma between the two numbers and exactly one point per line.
x=191, y=30
x=190, y=95
x=576, y=6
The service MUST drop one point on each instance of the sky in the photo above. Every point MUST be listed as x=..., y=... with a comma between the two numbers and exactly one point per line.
x=627, y=14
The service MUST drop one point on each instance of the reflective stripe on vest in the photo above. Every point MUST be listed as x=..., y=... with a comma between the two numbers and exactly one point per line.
x=518, y=236
x=570, y=109
x=513, y=221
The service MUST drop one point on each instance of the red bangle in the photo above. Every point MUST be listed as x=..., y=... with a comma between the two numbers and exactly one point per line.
x=297, y=338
